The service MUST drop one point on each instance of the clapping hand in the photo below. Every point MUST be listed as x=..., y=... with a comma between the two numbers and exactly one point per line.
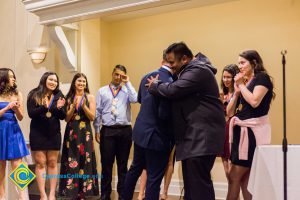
x=83, y=102
x=14, y=105
x=239, y=79
x=75, y=102
x=60, y=102
x=72, y=105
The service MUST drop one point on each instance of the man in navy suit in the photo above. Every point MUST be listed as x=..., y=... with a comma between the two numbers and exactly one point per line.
x=152, y=137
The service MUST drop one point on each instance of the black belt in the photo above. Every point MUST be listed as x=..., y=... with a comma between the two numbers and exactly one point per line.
x=117, y=126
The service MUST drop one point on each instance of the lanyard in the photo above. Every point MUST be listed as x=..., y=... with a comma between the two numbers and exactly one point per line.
x=48, y=113
x=51, y=102
x=114, y=92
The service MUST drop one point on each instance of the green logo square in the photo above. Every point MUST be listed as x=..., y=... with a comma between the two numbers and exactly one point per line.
x=22, y=176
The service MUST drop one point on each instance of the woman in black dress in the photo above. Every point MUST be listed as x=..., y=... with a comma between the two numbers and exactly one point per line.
x=252, y=96
x=45, y=105
x=78, y=155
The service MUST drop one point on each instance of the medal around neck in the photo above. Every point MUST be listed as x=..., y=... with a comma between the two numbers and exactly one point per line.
x=114, y=101
x=114, y=111
x=48, y=114
x=77, y=117
x=240, y=107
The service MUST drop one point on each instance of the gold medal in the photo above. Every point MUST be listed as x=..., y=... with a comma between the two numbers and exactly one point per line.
x=77, y=117
x=240, y=107
x=48, y=114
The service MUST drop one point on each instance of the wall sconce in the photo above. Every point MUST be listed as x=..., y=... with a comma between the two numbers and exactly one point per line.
x=38, y=55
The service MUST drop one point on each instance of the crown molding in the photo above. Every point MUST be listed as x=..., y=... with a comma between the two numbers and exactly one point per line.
x=37, y=5
x=67, y=11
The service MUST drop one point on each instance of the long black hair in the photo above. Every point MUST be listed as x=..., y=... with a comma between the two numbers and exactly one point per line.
x=5, y=88
x=40, y=91
x=72, y=89
x=233, y=70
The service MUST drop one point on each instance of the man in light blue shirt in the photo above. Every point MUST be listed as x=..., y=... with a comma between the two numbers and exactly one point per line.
x=113, y=114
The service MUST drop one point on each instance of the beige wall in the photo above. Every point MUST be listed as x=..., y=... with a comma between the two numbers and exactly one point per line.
x=90, y=59
x=221, y=32
x=90, y=52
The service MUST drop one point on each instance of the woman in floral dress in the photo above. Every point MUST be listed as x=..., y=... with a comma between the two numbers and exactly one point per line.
x=79, y=178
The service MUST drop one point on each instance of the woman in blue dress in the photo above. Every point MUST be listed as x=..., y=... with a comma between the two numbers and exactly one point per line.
x=12, y=143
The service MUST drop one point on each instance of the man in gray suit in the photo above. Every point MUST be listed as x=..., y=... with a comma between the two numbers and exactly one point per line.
x=198, y=118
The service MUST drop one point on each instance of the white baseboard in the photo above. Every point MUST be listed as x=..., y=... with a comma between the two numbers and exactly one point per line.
x=176, y=186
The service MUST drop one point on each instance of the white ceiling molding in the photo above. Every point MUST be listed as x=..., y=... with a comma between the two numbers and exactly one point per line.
x=67, y=11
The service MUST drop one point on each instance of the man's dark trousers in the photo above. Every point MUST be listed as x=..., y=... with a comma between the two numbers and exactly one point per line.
x=197, y=180
x=155, y=163
x=115, y=142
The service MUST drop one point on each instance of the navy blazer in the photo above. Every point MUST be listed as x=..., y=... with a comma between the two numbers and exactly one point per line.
x=152, y=129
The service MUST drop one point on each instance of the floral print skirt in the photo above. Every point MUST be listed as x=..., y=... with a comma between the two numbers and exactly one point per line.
x=78, y=174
